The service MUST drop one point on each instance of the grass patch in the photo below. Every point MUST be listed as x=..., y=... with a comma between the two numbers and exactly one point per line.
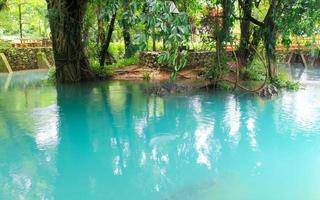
x=124, y=62
x=222, y=86
x=107, y=70
x=255, y=72
x=100, y=72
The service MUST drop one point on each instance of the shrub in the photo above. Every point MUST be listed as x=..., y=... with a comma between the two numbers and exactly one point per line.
x=4, y=45
x=125, y=62
x=284, y=81
x=107, y=70
x=117, y=50
x=146, y=76
x=52, y=74
x=100, y=72
x=254, y=72
x=223, y=86
x=214, y=71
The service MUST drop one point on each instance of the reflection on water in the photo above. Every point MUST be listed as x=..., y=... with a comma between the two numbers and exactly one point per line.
x=203, y=133
x=232, y=119
x=109, y=140
x=302, y=105
x=46, y=122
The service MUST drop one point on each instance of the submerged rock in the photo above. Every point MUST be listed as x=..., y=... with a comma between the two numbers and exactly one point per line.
x=168, y=87
x=268, y=91
x=162, y=139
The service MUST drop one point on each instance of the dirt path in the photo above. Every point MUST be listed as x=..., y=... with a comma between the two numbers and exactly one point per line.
x=138, y=72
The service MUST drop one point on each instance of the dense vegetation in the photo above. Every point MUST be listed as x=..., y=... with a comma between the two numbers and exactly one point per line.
x=88, y=35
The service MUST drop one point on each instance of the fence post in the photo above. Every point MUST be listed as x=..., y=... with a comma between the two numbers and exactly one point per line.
x=6, y=63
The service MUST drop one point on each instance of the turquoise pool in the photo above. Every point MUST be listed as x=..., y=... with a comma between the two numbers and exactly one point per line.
x=110, y=141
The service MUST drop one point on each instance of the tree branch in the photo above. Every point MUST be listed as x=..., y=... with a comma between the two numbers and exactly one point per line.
x=255, y=21
x=248, y=16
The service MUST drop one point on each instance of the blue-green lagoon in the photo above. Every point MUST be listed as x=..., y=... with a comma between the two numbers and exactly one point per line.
x=110, y=141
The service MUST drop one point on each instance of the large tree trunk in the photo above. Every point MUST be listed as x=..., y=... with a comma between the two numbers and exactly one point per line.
x=66, y=17
x=226, y=24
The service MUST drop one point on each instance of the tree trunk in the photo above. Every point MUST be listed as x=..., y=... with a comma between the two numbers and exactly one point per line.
x=154, y=42
x=226, y=24
x=270, y=40
x=85, y=33
x=244, y=50
x=127, y=42
x=3, y=4
x=224, y=32
x=104, y=48
x=254, y=44
x=20, y=21
x=270, y=48
x=66, y=17
x=126, y=30
x=101, y=37
x=221, y=36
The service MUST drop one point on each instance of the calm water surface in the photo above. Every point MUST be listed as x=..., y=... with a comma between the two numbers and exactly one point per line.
x=110, y=141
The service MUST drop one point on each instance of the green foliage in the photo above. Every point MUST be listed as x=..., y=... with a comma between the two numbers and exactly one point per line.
x=101, y=72
x=117, y=50
x=52, y=74
x=175, y=59
x=299, y=17
x=4, y=45
x=284, y=81
x=2, y=4
x=146, y=76
x=255, y=72
x=250, y=74
x=216, y=70
x=124, y=62
x=161, y=23
x=217, y=31
x=34, y=19
x=223, y=86
x=151, y=22
x=107, y=70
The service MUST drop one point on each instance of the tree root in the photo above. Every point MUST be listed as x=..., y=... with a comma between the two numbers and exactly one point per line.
x=236, y=83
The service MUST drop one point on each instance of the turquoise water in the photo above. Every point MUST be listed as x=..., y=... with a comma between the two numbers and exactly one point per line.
x=110, y=141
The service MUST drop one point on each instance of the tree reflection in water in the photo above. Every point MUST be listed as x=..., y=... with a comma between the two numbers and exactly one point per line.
x=27, y=166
